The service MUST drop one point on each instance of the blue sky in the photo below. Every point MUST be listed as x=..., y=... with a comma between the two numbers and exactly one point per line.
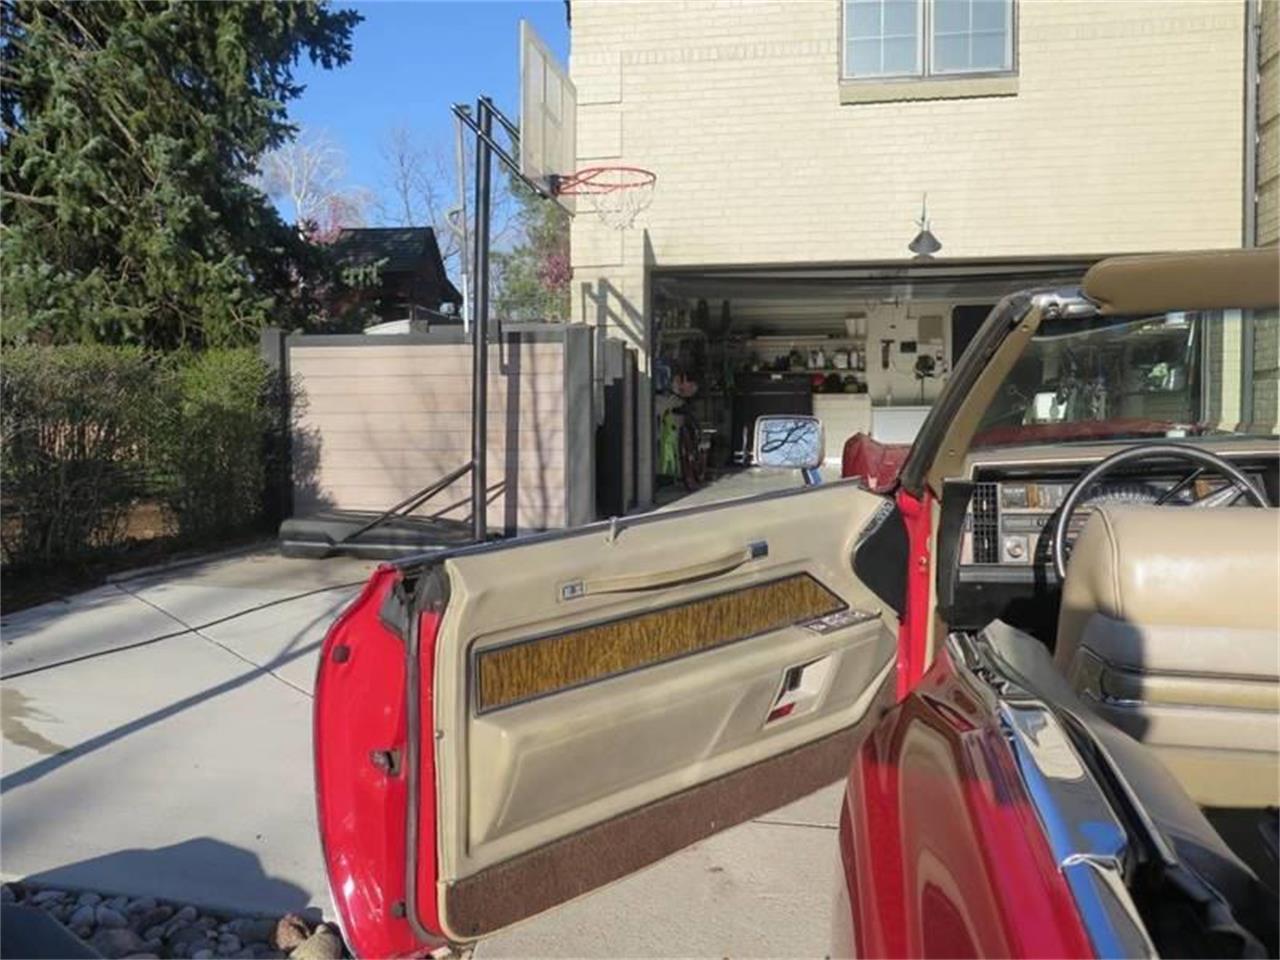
x=411, y=60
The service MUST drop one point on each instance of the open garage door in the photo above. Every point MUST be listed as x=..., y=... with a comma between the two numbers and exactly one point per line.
x=864, y=347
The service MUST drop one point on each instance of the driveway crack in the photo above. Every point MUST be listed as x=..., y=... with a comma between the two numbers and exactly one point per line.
x=218, y=643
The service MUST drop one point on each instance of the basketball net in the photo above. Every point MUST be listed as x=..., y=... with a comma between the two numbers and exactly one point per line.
x=616, y=194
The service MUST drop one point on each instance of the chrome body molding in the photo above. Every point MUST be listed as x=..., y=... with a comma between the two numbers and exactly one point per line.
x=1086, y=836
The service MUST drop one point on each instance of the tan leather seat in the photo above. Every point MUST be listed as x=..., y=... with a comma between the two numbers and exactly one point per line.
x=1170, y=624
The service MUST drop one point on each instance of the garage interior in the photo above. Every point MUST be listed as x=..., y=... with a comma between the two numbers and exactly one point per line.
x=866, y=348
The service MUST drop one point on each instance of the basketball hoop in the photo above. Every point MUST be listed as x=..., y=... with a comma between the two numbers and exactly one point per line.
x=617, y=194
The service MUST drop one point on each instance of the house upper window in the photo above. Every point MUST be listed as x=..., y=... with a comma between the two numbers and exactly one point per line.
x=927, y=38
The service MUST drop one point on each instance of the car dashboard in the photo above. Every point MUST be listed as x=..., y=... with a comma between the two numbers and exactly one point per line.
x=1010, y=521
x=996, y=536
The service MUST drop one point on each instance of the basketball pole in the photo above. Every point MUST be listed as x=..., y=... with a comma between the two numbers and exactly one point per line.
x=480, y=331
x=481, y=124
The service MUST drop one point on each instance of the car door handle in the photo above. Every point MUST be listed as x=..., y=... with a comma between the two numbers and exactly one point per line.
x=656, y=579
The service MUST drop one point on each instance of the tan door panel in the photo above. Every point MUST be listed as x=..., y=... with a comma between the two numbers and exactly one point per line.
x=569, y=760
x=731, y=638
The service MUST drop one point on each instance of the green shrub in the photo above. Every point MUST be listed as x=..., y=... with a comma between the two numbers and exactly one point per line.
x=88, y=430
x=74, y=436
x=210, y=447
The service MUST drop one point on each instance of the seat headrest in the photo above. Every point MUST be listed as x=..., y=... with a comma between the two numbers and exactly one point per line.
x=1217, y=566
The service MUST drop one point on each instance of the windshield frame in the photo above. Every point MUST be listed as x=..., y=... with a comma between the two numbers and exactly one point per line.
x=924, y=461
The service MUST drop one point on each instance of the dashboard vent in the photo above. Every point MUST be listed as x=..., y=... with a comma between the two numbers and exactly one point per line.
x=986, y=523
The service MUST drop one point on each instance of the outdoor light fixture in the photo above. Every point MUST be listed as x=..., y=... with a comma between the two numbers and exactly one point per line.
x=925, y=244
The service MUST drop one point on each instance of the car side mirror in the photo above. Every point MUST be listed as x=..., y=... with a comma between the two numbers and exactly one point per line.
x=789, y=440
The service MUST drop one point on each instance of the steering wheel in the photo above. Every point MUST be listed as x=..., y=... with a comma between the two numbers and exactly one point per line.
x=1201, y=460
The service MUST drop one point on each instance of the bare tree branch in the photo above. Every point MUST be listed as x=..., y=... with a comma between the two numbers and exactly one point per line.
x=421, y=189
x=307, y=174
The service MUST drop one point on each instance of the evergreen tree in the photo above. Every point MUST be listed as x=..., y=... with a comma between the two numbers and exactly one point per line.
x=131, y=133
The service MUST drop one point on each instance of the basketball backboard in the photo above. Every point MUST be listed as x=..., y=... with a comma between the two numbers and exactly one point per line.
x=548, y=114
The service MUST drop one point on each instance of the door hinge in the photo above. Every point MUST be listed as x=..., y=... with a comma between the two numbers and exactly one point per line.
x=394, y=612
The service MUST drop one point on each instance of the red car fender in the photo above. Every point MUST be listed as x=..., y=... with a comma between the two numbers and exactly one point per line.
x=941, y=848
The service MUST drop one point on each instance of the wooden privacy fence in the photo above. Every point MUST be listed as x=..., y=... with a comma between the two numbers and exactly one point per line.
x=378, y=417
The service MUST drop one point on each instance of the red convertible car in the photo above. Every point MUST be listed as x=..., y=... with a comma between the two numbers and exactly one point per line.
x=1044, y=662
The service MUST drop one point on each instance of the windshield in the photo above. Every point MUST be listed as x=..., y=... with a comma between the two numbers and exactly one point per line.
x=1169, y=375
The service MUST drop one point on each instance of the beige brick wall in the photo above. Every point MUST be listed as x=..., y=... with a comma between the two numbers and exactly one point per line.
x=1125, y=134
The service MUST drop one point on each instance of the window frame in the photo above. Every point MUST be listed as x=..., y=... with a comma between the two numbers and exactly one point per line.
x=925, y=53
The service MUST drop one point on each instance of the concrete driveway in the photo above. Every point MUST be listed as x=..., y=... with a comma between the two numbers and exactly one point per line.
x=157, y=740
x=147, y=752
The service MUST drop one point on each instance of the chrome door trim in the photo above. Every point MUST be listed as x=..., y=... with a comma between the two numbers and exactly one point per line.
x=1086, y=836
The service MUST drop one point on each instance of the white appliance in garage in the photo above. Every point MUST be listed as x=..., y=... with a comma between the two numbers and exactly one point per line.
x=897, y=424
x=842, y=415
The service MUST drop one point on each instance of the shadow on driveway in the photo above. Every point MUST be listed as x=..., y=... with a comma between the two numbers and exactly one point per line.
x=217, y=865
x=49, y=764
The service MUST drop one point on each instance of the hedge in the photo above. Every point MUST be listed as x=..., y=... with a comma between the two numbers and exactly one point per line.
x=86, y=431
x=209, y=442
x=75, y=422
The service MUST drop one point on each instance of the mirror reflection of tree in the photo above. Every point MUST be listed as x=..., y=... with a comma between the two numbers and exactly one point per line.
x=788, y=442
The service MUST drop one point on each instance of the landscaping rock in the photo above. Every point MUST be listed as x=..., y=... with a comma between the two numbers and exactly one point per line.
x=250, y=929
x=189, y=940
x=110, y=917
x=83, y=916
x=120, y=927
x=116, y=942
x=183, y=918
x=324, y=944
x=152, y=918
x=291, y=931
x=140, y=905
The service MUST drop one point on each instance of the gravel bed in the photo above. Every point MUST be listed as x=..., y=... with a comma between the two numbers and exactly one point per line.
x=140, y=927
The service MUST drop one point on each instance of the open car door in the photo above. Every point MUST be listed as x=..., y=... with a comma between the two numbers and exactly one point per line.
x=504, y=728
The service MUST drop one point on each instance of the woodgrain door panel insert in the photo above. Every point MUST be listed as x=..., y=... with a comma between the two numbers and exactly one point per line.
x=534, y=667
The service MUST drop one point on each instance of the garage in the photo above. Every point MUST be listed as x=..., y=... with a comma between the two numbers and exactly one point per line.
x=866, y=348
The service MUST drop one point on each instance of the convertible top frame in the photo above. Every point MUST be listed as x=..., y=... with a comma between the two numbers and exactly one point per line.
x=1204, y=280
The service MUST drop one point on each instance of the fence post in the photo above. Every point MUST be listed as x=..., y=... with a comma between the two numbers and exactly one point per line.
x=277, y=494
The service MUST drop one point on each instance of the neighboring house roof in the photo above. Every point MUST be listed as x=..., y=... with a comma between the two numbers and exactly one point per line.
x=399, y=250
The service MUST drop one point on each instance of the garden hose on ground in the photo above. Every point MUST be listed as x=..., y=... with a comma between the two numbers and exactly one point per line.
x=178, y=633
